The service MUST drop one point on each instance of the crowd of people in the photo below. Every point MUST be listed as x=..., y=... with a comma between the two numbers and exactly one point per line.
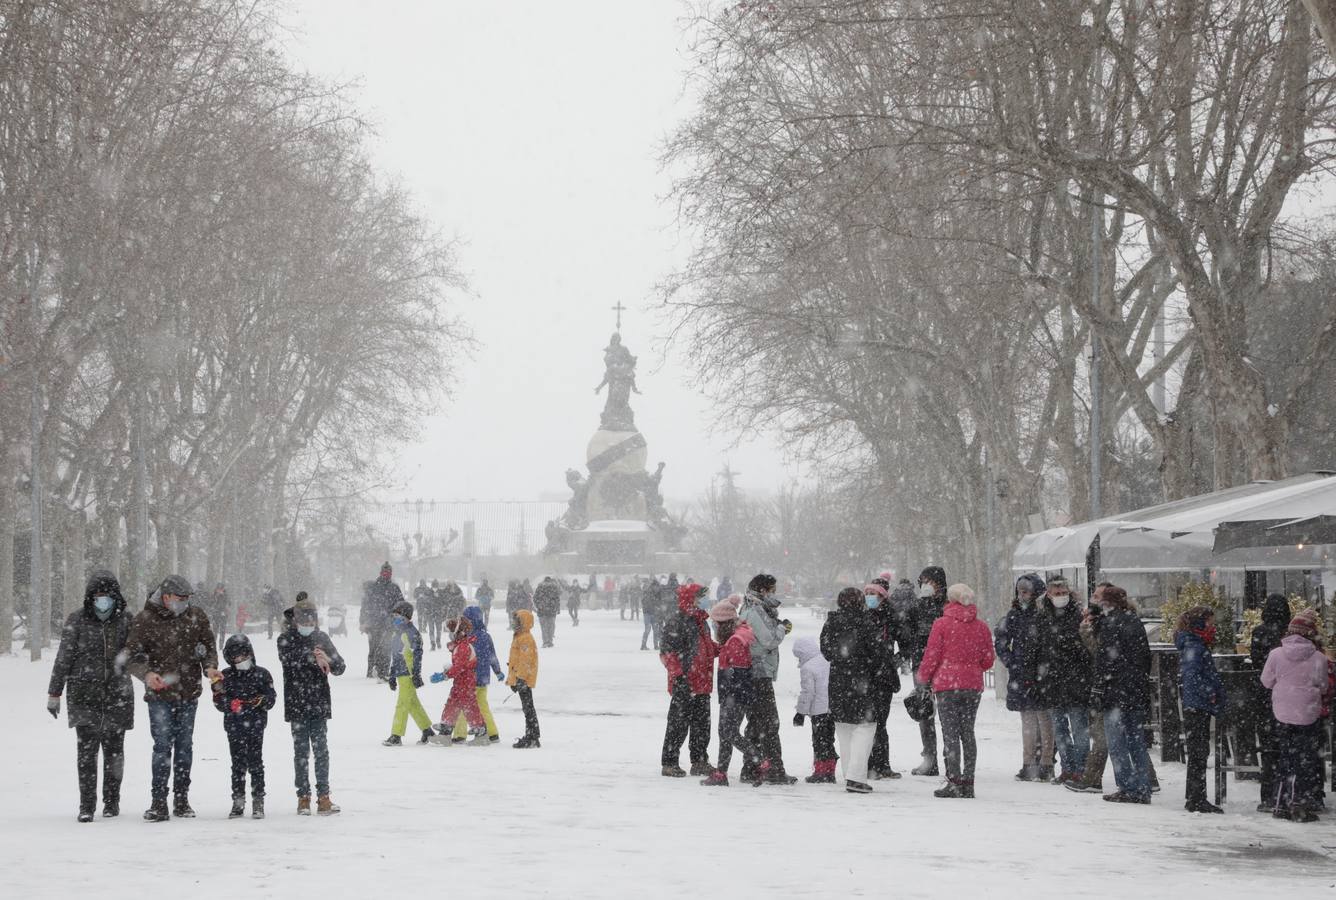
x=1078, y=676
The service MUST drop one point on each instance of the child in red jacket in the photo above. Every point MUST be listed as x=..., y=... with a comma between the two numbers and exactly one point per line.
x=463, y=699
x=735, y=689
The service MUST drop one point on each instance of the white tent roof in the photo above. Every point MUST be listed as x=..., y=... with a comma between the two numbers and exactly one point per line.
x=1292, y=498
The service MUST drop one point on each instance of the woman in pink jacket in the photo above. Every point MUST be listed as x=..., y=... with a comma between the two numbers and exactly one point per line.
x=1296, y=673
x=960, y=649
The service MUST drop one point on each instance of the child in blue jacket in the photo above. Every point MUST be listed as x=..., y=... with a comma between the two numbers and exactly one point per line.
x=244, y=695
x=488, y=665
x=1202, y=695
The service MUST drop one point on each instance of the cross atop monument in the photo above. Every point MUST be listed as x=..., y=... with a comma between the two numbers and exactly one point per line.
x=619, y=309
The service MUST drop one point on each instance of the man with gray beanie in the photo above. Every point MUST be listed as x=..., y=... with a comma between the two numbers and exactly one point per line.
x=170, y=645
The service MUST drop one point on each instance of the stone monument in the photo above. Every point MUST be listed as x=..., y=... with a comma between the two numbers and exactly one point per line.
x=616, y=519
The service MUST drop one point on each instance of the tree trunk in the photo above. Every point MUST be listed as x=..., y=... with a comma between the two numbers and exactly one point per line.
x=8, y=512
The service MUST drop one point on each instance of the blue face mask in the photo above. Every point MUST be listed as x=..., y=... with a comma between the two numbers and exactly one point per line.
x=400, y=621
x=704, y=603
x=306, y=630
x=873, y=601
x=103, y=605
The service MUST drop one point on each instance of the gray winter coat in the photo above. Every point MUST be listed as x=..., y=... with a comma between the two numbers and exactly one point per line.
x=769, y=632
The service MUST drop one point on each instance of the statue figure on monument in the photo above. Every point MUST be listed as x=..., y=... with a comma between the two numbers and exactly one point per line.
x=620, y=378
x=577, y=513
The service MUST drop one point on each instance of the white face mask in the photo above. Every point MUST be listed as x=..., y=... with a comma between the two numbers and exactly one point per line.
x=927, y=590
x=1062, y=601
x=245, y=664
x=306, y=630
x=177, y=607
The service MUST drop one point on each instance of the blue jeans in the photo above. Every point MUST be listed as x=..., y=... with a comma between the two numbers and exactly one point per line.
x=651, y=628
x=1071, y=734
x=310, y=737
x=173, y=728
x=1123, y=729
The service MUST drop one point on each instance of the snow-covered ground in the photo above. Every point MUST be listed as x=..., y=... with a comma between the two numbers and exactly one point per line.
x=589, y=815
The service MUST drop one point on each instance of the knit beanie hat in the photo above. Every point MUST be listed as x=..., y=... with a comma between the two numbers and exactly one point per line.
x=735, y=599
x=402, y=608
x=304, y=611
x=723, y=611
x=1305, y=625
x=877, y=589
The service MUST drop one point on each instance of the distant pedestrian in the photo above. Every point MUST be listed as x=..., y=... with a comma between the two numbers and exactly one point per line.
x=522, y=676
x=814, y=704
x=1297, y=674
x=1202, y=695
x=849, y=642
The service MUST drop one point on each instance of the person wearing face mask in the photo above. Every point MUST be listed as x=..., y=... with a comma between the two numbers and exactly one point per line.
x=170, y=647
x=849, y=642
x=89, y=672
x=308, y=658
x=928, y=607
x=1122, y=692
x=1202, y=695
x=406, y=676
x=1067, y=670
x=886, y=627
x=244, y=695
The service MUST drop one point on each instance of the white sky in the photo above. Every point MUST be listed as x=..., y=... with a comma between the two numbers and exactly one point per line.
x=532, y=130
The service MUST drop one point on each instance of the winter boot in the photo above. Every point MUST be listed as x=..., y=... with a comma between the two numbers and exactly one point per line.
x=928, y=767
x=85, y=813
x=427, y=735
x=857, y=787
x=304, y=806
x=111, y=807
x=525, y=743
x=966, y=786
x=1028, y=773
x=1045, y=774
x=950, y=790
x=392, y=741
x=823, y=772
x=701, y=768
x=181, y=807
x=718, y=778
x=1201, y=806
x=257, y=807
x=324, y=806
x=157, y=812
x=673, y=771
x=238, y=808
x=481, y=740
x=883, y=773
x=1081, y=786
x=1303, y=814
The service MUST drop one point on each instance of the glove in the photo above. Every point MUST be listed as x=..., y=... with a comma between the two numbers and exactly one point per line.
x=513, y=688
x=417, y=681
x=437, y=677
x=788, y=626
x=798, y=721
x=235, y=706
x=53, y=706
x=394, y=684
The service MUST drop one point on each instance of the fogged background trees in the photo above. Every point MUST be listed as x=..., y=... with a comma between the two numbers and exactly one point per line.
x=214, y=315
x=917, y=219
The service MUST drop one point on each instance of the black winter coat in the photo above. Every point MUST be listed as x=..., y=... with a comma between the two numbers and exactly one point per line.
x=886, y=628
x=248, y=687
x=1065, y=667
x=305, y=687
x=1122, y=663
x=380, y=597
x=849, y=641
x=88, y=671
x=1017, y=643
x=922, y=616
x=547, y=598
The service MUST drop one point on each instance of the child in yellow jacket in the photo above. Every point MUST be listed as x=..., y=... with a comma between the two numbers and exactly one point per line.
x=523, y=675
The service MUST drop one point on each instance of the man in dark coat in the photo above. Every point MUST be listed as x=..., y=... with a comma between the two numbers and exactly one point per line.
x=1065, y=676
x=308, y=657
x=170, y=647
x=1265, y=638
x=379, y=598
x=927, y=609
x=1122, y=691
x=100, y=699
x=547, y=603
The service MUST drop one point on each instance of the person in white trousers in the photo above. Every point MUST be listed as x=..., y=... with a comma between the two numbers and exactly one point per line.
x=849, y=642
